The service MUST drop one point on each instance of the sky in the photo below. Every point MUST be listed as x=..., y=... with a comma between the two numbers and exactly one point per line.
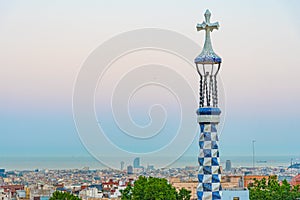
x=44, y=44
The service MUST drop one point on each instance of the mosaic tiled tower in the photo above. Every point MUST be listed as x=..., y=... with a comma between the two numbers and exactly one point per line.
x=208, y=65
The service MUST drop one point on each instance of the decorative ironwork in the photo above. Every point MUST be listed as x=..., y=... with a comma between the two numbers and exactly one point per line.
x=208, y=59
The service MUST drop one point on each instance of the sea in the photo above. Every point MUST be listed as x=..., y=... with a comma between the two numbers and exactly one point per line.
x=79, y=162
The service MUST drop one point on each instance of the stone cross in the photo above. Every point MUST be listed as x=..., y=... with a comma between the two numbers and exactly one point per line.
x=207, y=51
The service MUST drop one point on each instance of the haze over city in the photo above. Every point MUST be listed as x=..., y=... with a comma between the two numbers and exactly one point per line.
x=44, y=44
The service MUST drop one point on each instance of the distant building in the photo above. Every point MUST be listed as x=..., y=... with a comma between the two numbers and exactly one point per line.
x=122, y=165
x=288, y=178
x=4, y=195
x=150, y=167
x=235, y=194
x=129, y=169
x=296, y=180
x=90, y=193
x=40, y=194
x=294, y=166
x=2, y=173
x=98, y=186
x=12, y=189
x=228, y=166
x=232, y=181
x=249, y=179
x=191, y=186
x=136, y=163
x=138, y=170
x=21, y=194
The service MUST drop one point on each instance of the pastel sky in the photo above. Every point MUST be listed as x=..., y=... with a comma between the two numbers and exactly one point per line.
x=44, y=43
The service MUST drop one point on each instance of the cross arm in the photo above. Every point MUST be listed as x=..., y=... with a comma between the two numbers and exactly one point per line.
x=201, y=27
x=209, y=26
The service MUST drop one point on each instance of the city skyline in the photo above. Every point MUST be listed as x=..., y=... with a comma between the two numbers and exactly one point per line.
x=44, y=46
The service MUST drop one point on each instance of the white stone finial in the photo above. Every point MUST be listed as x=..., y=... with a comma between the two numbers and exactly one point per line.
x=207, y=16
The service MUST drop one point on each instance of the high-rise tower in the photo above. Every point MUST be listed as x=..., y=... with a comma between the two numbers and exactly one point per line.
x=208, y=64
x=136, y=163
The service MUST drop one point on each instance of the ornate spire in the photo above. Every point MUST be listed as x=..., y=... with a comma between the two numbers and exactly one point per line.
x=207, y=56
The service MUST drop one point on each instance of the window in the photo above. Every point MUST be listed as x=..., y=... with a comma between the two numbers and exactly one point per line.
x=236, y=198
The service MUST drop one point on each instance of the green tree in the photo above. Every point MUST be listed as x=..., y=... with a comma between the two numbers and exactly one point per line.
x=126, y=193
x=57, y=195
x=271, y=189
x=184, y=194
x=153, y=189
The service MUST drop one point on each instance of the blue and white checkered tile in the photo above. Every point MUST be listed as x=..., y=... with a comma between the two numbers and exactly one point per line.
x=216, y=186
x=204, y=161
x=214, y=136
x=215, y=161
x=209, y=170
x=214, y=144
x=216, y=178
x=210, y=161
x=205, y=178
x=207, y=153
x=215, y=153
x=209, y=144
x=215, y=169
x=209, y=174
x=216, y=195
x=209, y=187
x=209, y=195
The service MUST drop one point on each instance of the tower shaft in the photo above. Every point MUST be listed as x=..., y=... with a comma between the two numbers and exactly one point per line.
x=209, y=174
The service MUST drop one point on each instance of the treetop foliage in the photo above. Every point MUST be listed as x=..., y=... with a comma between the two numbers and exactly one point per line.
x=271, y=189
x=150, y=188
x=57, y=195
